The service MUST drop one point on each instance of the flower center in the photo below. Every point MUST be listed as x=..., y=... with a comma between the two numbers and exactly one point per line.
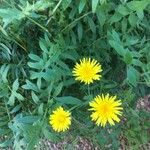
x=87, y=72
x=61, y=119
x=105, y=109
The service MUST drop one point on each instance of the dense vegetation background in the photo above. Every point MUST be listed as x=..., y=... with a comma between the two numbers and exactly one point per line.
x=41, y=40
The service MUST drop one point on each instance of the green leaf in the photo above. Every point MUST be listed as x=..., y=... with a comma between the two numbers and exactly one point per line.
x=34, y=57
x=133, y=19
x=69, y=100
x=30, y=86
x=35, y=97
x=7, y=143
x=115, y=18
x=124, y=25
x=10, y=15
x=119, y=48
x=103, y=1
x=41, y=5
x=50, y=136
x=94, y=5
x=123, y=10
x=80, y=31
x=64, y=66
x=81, y=5
x=101, y=16
x=66, y=3
x=28, y=119
x=37, y=65
x=138, y=5
x=137, y=62
x=15, y=85
x=128, y=57
x=3, y=31
x=92, y=25
x=73, y=37
x=39, y=83
x=43, y=47
x=6, y=48
x=132, y=75
x=4, y=72
x=31, y=132
x=18, y=96
x=11, y=100
x=15, y=109
x=41, y=109
x=140, y=14
x=58, y=89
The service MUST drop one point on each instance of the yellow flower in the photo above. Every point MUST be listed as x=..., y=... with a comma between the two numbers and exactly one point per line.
x=105, y=109
x=87, y=70
x=60, y=120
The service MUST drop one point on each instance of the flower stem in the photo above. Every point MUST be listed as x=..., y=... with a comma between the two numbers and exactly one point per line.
x=89, y=93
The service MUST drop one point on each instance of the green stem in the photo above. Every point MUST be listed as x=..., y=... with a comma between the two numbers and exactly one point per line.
x=80, y=124
x=53, y=12
x=44, y=115
x=7, y=111
x=89, y=93
x=19, y=45
x=56, y=7
x=37, y=24
x=75, y=21
x=73, y=108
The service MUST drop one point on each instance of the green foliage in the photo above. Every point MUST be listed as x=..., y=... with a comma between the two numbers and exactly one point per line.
x=41, y=40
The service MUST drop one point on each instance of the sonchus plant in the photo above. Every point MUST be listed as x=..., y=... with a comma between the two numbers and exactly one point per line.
x=74, y=68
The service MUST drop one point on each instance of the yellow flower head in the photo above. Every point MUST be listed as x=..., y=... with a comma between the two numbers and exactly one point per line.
x=60, y=120
x=87, y=70
x=105, y=109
